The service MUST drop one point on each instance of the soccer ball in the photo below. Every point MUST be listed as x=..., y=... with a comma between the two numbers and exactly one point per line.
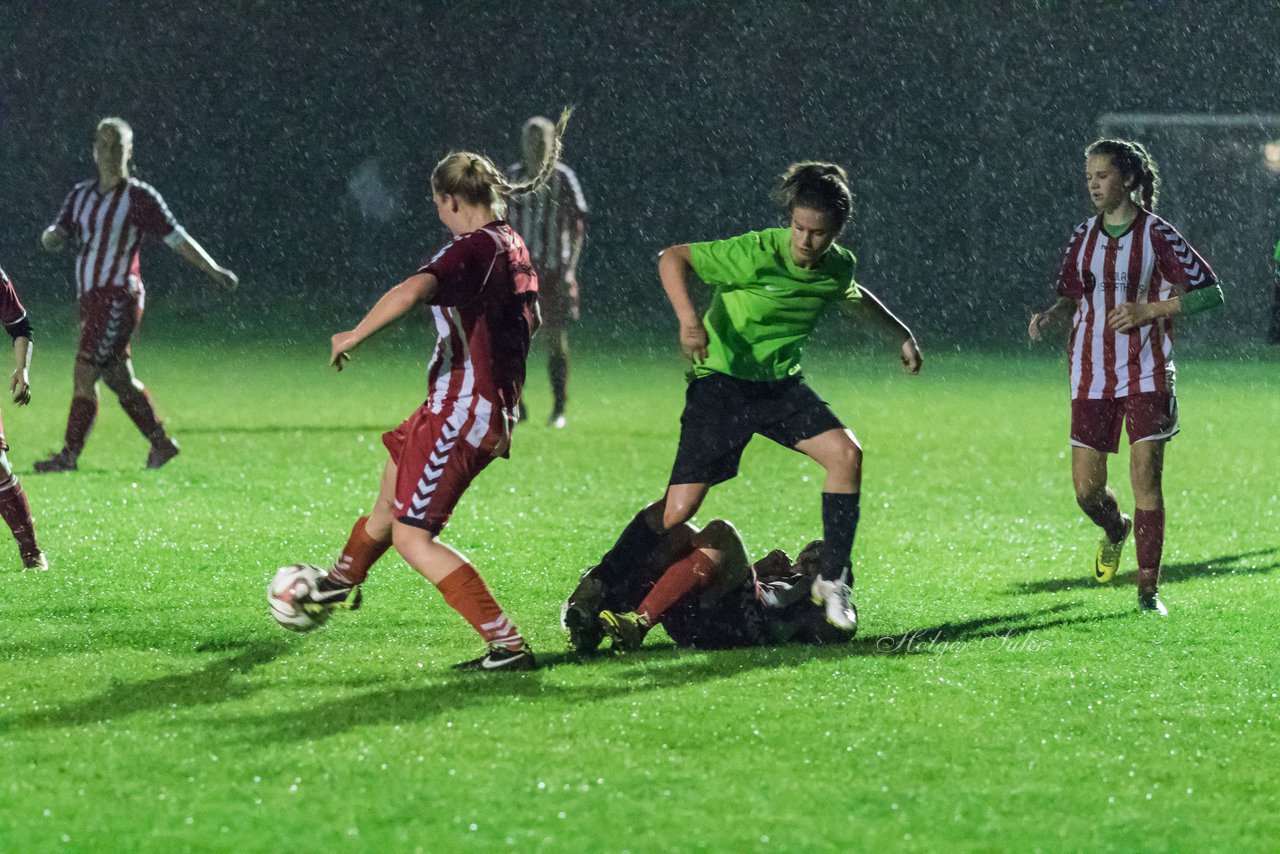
x=289, y=591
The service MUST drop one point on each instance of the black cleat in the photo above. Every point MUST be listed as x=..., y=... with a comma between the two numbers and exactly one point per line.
x=64, y=460
x=579, y=616
x=1150, y=603
x=500, y=657
x=332, y=596
x=161, y=452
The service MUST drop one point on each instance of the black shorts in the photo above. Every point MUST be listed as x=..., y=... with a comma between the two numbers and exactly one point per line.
x=722, y=413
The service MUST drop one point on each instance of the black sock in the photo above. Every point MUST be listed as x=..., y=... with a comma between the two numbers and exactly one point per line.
x=839, y=524
x=627, y=556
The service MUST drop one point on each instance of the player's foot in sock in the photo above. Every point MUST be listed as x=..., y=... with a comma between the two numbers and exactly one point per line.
x=35, y=561
x=1108, y=559
x=578, y=616
x=833, y=598
x=161, y=452
x=63, y=460
x=626, y=630
x=1149, y=603
x=500, y=657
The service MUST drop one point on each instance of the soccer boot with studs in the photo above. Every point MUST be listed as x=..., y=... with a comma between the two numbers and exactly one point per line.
x=499, y=657
x=833, y=597
x=626, y=630
x=1107, y=560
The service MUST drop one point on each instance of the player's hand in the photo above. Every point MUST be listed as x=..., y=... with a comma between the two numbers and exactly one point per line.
x=1128, y=316
x=1038, y=323
x=20, y=385
x=911, y=357
x=340, y=347
x=693, y=341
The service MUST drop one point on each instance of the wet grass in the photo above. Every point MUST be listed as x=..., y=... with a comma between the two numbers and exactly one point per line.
x=995, y=699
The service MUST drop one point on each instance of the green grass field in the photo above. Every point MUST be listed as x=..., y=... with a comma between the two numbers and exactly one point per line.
x=996, y=699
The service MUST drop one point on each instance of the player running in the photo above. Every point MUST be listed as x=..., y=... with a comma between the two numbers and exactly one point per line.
x=705, y=592
x=483, y=294
x=13, y=501
x=769, y=290
x=105, y=221
x=1126, y=274
x=552, y=225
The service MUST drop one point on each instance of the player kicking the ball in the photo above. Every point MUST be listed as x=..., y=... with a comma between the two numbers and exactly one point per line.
x=770, y=289
x=483, y=295
x=1126, y=274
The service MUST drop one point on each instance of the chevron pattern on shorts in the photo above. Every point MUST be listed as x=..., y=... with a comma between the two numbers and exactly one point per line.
x=432, y=472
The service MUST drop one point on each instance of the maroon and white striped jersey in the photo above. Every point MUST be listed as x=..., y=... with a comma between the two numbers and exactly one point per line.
x=549, y=219
x=107, y=230
x=11, y=311
x=485, y=312
x=1148, y=263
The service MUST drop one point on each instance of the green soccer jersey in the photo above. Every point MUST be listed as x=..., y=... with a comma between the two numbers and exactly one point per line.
x=764, y=306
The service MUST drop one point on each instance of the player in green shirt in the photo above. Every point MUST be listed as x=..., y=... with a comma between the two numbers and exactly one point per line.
x=769, y=290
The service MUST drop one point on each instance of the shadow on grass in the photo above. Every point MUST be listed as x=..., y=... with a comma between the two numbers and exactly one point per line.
x=212, y=684
x=661, y=667
x=1172, y=573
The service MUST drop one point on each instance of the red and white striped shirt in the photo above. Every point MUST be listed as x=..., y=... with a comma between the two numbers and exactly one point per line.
x=485, y=312
x=108, y=230
x=11, y=311
x=549, y=219
x=1148, y=263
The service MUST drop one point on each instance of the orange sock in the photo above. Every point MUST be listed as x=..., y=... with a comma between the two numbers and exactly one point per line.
x=692, y=572
x=466, y=593
x=361, y=552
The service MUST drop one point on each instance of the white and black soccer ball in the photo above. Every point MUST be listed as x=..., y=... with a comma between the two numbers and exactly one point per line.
x=289, y=591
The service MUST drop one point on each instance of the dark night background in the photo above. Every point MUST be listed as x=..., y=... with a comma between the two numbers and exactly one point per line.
x=962, y=125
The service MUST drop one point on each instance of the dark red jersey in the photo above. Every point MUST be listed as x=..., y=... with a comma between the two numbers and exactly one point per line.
x=485, y=311
x=11, y=311
x=108, y=230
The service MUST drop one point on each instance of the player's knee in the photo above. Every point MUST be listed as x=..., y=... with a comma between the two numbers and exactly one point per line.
x=677, y=512
x=715, y=534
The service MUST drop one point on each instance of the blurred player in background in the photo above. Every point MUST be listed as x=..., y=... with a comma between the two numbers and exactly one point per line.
x=552, y=224
x=105, y=221
x=13, y=501
x=770, y=288
x=483, y=295
x=701, y=587
x=1126, y=273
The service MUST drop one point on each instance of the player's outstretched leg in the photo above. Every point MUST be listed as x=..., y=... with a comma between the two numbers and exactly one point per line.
x=339, y=588
x=17, y=515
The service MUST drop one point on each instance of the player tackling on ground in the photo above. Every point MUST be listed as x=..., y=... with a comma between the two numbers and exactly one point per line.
x=769, y=290
x=701, y=587
x=483, y=295
x=105, y=221
x=1126, y=274
x=13, y=501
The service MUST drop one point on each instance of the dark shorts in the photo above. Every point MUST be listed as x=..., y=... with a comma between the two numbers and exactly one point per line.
x=108, y=318
x=559, y=307
x=434, y=466
x=1147, y=417
x=722, y=413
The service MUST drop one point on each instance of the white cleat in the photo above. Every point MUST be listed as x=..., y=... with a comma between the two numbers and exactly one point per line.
x=833, y=598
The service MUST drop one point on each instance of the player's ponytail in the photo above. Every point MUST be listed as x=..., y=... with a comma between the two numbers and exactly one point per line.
x=821, y=186
x=1135, y=164
x=475, y=178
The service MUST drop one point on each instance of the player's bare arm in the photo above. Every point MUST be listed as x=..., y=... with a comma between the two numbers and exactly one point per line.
x=20, y=385
x=1062, y=307
x=674, y=265
x=871, y=308
x=1130, y=315
x=393, y=305
x=53, y=239
x=195, y=255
